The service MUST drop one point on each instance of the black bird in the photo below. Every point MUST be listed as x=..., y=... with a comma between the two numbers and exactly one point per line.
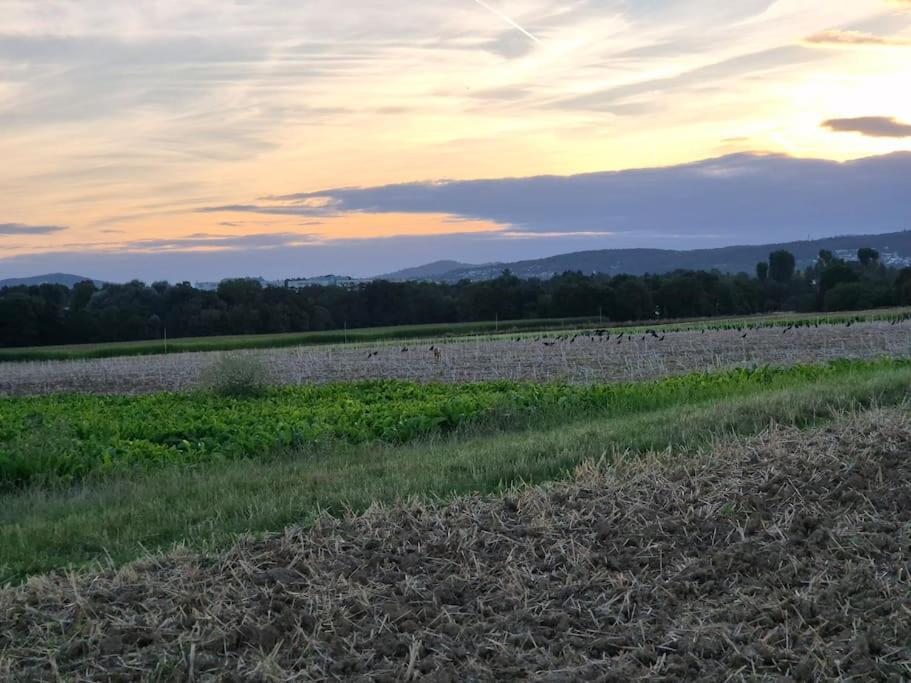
x=404, y=349
x=661, y=338
x=743, y=336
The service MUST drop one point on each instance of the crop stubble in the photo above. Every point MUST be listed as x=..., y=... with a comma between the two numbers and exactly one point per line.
x=586, y=359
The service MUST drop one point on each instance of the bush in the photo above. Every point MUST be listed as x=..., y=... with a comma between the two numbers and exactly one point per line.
x=236, y=376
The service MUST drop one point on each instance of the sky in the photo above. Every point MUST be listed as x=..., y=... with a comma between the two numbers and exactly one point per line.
x=201, y=139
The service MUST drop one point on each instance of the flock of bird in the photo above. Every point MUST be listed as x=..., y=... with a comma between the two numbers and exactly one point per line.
x=605, y=335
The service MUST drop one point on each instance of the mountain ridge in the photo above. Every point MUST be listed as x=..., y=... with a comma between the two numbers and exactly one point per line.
x=67, y=279
x=895, y=248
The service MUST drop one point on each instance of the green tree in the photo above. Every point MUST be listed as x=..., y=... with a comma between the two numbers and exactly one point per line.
x=762, y=271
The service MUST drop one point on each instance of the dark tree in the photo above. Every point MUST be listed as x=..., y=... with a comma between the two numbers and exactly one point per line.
x=838, y=273
x=867, y=256
x=781, y=265
x=762, y=271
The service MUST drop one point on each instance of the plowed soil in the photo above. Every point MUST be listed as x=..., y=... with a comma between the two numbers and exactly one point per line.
x=786, y=557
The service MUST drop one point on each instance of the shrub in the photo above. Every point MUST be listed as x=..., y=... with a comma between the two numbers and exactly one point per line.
x=236, y=376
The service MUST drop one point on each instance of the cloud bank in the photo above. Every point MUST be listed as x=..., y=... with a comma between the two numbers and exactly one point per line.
x=871, y=126
x=730, y=199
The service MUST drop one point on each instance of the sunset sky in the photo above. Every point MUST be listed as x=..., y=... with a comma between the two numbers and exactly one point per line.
x=199, y=139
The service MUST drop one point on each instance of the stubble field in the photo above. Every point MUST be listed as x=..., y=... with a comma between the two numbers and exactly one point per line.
x=615, y=356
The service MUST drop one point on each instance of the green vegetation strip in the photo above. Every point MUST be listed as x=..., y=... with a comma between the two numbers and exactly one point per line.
x=123, y=517
x=67, y=438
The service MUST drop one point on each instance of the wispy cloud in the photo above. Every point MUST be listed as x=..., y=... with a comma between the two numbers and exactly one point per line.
x=836, y=37
x=209, y=241
x=871, y=126
x=22, y=229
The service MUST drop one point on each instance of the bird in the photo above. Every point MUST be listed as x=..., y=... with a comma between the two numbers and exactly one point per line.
x=743, y=336
x=404, y=349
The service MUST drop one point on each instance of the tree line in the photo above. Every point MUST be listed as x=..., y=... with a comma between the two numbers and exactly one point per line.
x=55, y=314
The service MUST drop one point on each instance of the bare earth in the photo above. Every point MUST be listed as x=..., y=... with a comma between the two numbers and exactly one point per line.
x=787, y=557
x=586, y=359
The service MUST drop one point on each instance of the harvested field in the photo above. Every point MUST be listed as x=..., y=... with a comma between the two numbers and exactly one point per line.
x=578, y=359
x=784, y=556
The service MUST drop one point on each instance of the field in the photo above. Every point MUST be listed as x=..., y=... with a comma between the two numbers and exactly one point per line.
x=570, y=356
x=754, y=561
x=701, y=500
x=67, y=438
x=272, y=341
x=406, y=333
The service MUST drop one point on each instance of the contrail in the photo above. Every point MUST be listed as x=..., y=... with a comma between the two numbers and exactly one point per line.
x=507, y=19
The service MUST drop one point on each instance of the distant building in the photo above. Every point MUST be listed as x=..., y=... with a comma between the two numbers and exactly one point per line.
x=887, y=258
x=323, y=281
x=205, y=286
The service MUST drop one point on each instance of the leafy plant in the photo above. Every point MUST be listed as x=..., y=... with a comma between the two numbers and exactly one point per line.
x=70, y=437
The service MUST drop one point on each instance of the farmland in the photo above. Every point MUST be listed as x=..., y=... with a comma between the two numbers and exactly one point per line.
x=577, y=356
x=68, y=437
x=361, y=471
x=274, y=341
x=450, y=331
x=653, y=568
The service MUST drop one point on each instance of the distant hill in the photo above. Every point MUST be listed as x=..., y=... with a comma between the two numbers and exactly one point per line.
x=427, y=272
x=48, y=279
x=895, y=249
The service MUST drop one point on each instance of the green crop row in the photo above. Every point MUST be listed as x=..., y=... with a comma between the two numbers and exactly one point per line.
x=66, y=438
